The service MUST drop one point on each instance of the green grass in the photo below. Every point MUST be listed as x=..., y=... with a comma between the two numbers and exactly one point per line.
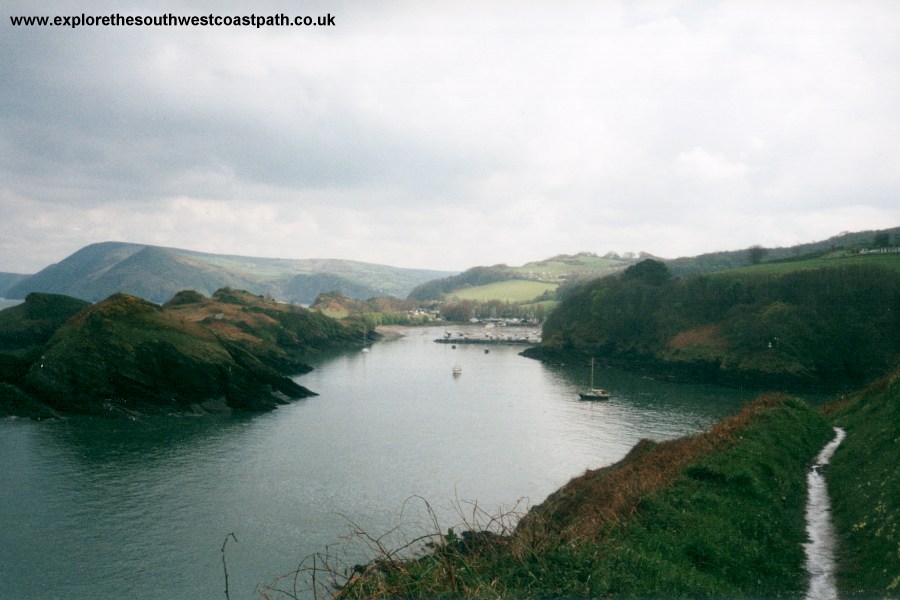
x=513, y=290
x=582, y=263
x=547, y=305
x=864, y=484
x=891, y=261
x=715, y=515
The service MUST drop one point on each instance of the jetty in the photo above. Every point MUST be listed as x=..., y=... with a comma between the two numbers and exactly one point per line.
x=523, y=339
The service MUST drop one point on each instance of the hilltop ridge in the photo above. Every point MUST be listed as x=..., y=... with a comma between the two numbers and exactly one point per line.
x=155, y=273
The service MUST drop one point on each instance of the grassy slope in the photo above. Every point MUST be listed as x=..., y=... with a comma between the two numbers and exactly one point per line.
x=891, y=261
x=542, y=276
x=803, y=326
x=513, y=290
x=864, y=484
x=720, y=514
x=556, y=266
x=129, y=354
x=156, y=273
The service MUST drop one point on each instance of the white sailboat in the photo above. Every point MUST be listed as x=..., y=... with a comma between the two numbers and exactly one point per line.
x=593, y=393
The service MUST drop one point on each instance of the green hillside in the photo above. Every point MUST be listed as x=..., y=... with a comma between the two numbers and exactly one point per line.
x=842, y=244
x=564, y=267
x=889, y=261
x=33, y=322
x=824, y=327
x=528, y=283
x=156, y=273
x=513, y=290
x=864, y=484
x=125, y=355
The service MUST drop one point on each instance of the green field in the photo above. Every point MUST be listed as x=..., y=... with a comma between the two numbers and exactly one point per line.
x=513, y=290
x=553, y=268
x=891, y=261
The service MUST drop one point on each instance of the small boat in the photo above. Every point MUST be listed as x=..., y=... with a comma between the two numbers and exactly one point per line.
x=457, y=370
x=593, y=393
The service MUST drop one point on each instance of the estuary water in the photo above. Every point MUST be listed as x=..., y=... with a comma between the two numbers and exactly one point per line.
x=96, y=508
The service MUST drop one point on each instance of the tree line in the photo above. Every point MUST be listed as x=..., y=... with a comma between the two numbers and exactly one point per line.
x=830, y=326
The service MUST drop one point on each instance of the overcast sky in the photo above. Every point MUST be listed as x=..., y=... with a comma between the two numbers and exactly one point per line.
x=449, y=134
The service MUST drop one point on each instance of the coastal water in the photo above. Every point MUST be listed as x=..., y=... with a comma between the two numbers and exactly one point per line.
x=94, y=508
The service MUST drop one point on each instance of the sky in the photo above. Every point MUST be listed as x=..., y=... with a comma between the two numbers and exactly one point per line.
x=448, y=134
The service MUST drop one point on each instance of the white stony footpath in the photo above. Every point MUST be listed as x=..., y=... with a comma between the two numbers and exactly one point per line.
x=821, y=544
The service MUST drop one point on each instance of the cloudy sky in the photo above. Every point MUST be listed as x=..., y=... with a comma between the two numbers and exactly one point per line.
x=447, y=134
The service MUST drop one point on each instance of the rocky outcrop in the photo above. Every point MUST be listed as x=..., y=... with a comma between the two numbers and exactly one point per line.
x=125, y=355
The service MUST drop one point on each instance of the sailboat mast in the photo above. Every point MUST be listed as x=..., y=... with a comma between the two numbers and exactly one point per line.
x=592, y=373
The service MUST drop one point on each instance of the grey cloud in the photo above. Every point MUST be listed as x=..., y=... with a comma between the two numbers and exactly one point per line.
x=529, y=127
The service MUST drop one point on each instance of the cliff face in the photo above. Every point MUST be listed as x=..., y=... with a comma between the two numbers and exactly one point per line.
x=127, y=355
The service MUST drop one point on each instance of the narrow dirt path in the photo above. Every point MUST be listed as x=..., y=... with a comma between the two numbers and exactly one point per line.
x=819, y=530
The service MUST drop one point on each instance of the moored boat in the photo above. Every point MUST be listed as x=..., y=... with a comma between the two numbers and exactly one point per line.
x=593, y=393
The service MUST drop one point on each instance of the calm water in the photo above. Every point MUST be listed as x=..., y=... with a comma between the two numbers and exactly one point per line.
x=116, y=509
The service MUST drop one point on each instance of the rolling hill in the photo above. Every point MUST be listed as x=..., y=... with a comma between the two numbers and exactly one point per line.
x=127, y=356
x=838, y=245
x=564, y=272
x=157, y=273
x=533, y=279
x=810, y=324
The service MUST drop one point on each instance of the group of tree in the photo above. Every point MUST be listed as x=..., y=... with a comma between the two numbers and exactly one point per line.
x=462, y=311
x=827, y=326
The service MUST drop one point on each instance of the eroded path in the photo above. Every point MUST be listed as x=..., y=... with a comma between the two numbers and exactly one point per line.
x=820, y=547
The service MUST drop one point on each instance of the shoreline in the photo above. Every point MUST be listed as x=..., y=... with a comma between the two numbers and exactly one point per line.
x=391, y=332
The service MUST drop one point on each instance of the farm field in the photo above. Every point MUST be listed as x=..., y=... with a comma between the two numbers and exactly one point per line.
x=513, y=290
x=565, y=265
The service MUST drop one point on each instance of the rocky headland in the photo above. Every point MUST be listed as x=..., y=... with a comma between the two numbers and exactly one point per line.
x=127, y=356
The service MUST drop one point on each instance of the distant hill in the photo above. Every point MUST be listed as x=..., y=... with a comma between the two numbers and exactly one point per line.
x=8, y=280
x=156, y=273
x=480, y=283
x=842, y=243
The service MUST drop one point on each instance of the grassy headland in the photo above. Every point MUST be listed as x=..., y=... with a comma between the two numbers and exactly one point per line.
x=826, y=327
x=126, y=355
x=719, y=514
